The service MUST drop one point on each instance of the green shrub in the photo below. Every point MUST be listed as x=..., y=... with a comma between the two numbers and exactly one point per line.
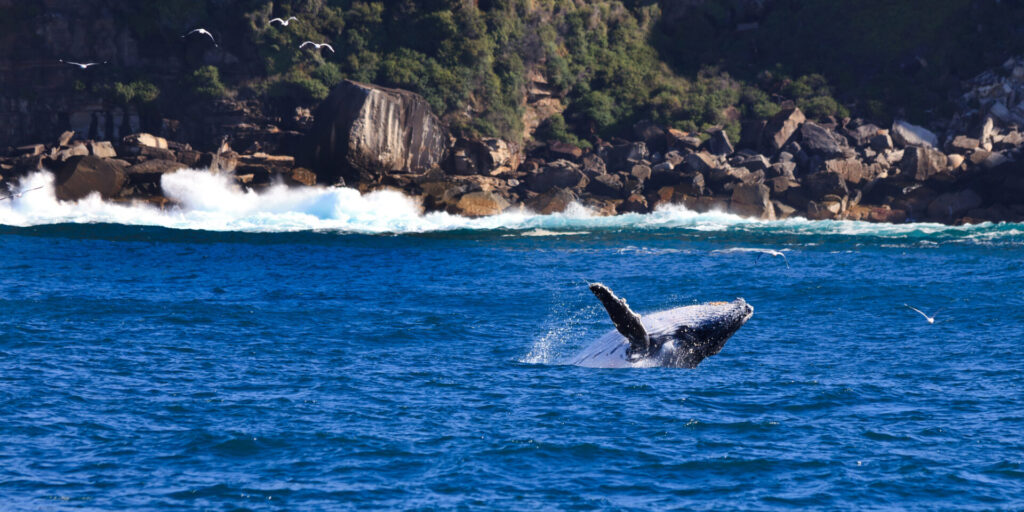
x=205, y=83
x=300, y=87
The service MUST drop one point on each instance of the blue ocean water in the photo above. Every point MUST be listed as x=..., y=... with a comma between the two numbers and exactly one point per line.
x=244, y=353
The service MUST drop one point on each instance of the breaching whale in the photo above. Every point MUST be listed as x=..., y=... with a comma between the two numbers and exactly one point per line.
x=678, y=338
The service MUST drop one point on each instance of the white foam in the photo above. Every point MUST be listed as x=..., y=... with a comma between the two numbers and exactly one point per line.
x=213, y=202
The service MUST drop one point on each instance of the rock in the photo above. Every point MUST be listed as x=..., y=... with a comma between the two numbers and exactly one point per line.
x=881, y=142
x=636, y=203
x=482, y=203
x=681, y=141
x=755, y=162
x=921, y=163
x=701, y=162
x=995, y=159
x=782, y=210
x=30, y=150
x=65, y=138
x=963, y=144
x=62, y=155
x=362, y=131
x=145, y=140
x=780, y=184
x=823, y=183
x=785, y=169
x=153, y=169
x=955, y=161
x=853, y=170
x=593, y=165
x=622, y=157
x=862, y=134
x=561, y=174
x=301, y=176
x=157, y=153
x=719, y=143
x=906, y=134
x=607, y=185
x=781, y=128
x=752, y=200
x=886, y=214
x=103, y=149
x=556, y=200
x=817, y=140
x=641, y=172
x=952, y=205
x=688, y=182
x=83, y=175
x=563, y=150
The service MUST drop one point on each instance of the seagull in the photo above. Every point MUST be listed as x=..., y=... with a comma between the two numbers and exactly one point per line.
x=204, y=32
x=760, y=252
x=18, y=194
x=283, y=23
x=318, y=45
x=82, y=65
x=931, y=319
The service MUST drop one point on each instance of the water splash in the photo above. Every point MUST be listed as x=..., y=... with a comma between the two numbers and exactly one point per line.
x=213, y=202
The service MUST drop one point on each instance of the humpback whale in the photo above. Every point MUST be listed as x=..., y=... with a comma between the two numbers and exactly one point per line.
x=678, y=338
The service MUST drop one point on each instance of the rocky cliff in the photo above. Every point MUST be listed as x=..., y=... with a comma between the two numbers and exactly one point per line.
x=362, y=131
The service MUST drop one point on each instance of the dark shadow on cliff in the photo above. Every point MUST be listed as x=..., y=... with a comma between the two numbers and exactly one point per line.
x=884, y=59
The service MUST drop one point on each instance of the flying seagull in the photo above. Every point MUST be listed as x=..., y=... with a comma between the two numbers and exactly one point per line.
x=18, y=194
x=284, y=23
x=82, y=65
x=931, y=319
x=318, y=45
x=204, y=32
x=759, y=252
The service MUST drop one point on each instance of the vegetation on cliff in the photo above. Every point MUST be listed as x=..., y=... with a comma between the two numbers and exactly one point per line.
x=688, y=64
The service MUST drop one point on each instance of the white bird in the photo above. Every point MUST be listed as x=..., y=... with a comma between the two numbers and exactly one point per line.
x=758, y=251
x=18, y=194
x=82, y=65
x=318, y=45
x=204, y=32
x=283, y=23
x=931, y=319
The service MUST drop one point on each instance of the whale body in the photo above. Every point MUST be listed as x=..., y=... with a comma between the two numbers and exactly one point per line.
x=678, y=338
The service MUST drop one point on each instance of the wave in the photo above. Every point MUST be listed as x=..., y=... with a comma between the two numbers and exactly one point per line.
x=212, y=202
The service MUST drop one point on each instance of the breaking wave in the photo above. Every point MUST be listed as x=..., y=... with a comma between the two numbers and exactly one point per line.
x=213, y=202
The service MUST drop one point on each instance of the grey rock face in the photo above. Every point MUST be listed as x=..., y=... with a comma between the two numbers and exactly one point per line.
x=363, y=130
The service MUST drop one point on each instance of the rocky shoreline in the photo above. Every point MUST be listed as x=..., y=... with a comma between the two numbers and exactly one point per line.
x=370, y=137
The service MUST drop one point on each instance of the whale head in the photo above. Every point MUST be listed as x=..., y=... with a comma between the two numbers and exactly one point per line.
x=683, y=337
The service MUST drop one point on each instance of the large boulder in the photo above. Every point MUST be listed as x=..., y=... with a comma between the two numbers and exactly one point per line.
x=752, y=200
x=83, y=175
x=921, y=163
x=779, y=130
x=362, y=131
x=480, y=204
x=561, y=174
x=906, y=134
x=818, y=140
x=952, y=205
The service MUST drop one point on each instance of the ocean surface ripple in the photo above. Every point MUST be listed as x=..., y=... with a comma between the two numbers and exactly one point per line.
x=318, y=350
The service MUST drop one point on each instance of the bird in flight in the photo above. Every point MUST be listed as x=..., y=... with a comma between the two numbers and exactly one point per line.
x=82, y=65
x=931, y=319
x=18, y=194
x=284, y=23
x=204, y=32
x=317, y=45
x=759, y=252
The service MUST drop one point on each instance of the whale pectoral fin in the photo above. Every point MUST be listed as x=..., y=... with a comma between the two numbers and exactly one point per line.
x=626, y=321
